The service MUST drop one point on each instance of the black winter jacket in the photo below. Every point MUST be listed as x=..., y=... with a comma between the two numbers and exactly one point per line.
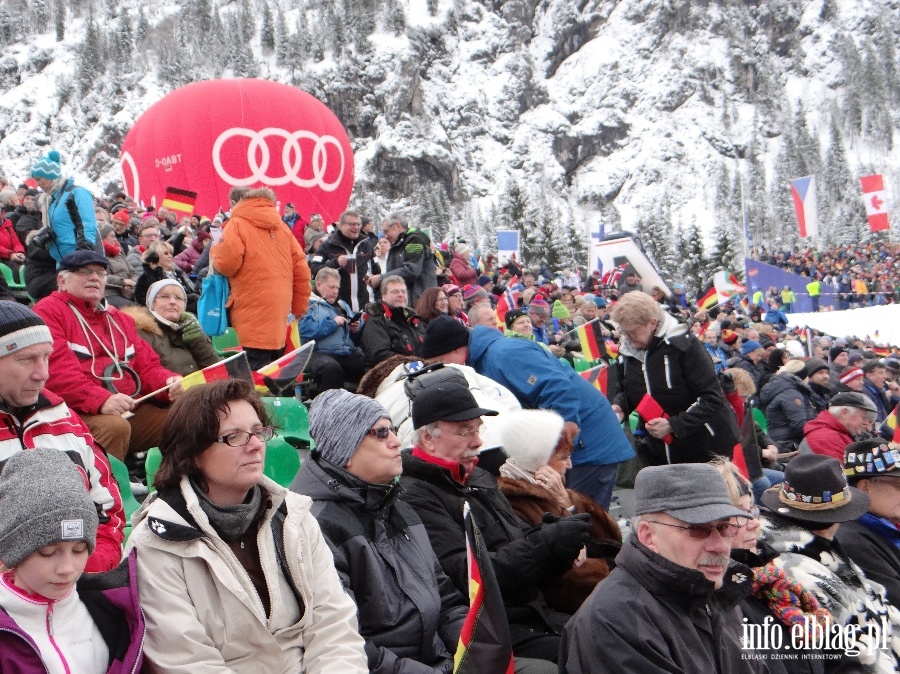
x=354, y=290
x=788, y=405
x=871, y=543
x=520, y=556
x=388, y=332
x=682, y=379
x=652, y=615
x=411, y=259
x=410, y=614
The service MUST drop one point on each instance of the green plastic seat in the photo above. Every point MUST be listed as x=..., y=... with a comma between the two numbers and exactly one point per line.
x=282, y=461
x=129, y=502
x=226, y=342
x=151, y=465
x=760, y=418
x=290, y=417
x=10, y=278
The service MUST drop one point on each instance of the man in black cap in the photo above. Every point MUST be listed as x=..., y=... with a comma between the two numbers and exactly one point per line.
x=670, y=605
x=803, y=515
x=817, y=375
x=873, y=540
x=99, y=363
x=441, y=474
x=838, y=359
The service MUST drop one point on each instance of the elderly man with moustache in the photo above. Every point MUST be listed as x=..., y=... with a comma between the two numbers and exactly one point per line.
x=670, y=605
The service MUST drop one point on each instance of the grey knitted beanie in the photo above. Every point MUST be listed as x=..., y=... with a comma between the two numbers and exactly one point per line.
x=338, y=422
x=43, y=500
x=20, y=328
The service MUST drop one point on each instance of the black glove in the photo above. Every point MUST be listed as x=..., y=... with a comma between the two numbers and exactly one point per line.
x=550, y=518
x=566, y=537
x=726, y=381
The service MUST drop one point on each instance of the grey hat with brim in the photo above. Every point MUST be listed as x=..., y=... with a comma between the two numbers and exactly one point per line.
x=695, y=493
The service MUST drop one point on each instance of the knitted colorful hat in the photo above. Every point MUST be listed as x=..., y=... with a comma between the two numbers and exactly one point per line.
x=538, y=303
x=48, y=166
x=559, y=311
x=848, y=374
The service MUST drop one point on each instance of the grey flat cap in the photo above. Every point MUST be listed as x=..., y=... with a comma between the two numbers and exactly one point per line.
x=691, y=492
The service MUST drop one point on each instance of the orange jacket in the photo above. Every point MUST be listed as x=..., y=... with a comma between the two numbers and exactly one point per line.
x=267, y=272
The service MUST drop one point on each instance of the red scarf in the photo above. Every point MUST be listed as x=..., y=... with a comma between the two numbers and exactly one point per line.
x=456, y=469
x=111, y=249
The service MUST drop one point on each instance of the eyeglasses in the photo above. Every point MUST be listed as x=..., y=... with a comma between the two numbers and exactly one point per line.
x=753, y=511
x=99, y=273
x=241, y=438
x=704, y=531
x=469, y=432
x=382, y=432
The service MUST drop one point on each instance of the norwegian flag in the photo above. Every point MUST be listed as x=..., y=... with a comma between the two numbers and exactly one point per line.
x=875, y=201
x=611, y=278
x=508, y=300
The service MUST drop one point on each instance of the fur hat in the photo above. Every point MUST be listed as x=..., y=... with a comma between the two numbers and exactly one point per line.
x=530, y=436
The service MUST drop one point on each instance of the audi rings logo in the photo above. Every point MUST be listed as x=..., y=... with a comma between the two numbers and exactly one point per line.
x=292, y=158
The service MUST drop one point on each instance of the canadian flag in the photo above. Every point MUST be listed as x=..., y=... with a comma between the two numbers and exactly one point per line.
x=875, y=201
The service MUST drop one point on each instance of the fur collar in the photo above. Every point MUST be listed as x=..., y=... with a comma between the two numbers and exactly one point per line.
x=143, y=320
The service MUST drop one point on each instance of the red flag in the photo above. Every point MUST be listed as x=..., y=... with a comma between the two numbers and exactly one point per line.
x=484, y=642
x=875, y=200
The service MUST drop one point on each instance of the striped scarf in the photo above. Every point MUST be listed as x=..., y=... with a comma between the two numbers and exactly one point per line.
x=786, y=598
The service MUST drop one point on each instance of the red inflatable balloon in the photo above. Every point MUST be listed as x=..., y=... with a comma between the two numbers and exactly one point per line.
x=209, y=136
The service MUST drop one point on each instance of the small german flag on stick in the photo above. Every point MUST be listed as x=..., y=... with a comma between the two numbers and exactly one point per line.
x=180, y=200
x=233, y=367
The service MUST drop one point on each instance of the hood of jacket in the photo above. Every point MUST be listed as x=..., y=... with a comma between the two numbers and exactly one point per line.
x=780, y=383
x=480, y=341
x=322, y=481
x=668, y=331
x=259, y=212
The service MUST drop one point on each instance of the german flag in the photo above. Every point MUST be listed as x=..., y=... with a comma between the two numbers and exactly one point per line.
x=284, y=372
x=710, y=299
x=891, y=422
x=233, y=367
x=598, y=378
x=292, y=338
x=180, y=200
x=591, y=338
x=484, y=642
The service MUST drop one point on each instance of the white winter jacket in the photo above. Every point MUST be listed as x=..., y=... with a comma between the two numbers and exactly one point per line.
x=203, y=613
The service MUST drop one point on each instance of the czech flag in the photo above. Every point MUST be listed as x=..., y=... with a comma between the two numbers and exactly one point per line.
x=484, y=641
x=803, y=190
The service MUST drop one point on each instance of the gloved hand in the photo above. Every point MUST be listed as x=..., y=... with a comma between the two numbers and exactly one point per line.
x=726, y=381
x=567, y=537
x=190, y=328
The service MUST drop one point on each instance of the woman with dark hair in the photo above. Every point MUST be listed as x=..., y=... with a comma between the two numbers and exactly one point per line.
x=431, y=303
x=234, y=573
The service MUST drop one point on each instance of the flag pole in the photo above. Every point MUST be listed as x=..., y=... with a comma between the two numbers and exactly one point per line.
x=138, y=401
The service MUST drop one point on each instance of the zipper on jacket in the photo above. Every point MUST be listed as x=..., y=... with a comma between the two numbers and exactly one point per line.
x=53, y=641
x=668, y=372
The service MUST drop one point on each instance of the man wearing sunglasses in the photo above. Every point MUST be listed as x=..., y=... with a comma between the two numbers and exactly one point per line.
x=671, y=602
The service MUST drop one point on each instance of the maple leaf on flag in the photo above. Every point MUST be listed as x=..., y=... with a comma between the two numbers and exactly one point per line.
x=876, y=202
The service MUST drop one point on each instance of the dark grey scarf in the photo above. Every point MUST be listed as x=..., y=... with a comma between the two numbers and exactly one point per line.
x=232, y=521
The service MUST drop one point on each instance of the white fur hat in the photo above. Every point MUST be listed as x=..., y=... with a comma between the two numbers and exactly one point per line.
x=530, y=436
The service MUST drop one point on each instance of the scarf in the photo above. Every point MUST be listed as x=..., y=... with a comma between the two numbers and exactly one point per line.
x=512, y=471
x=111, y=249
x=231, y=521
x=456, y=469
x=45, y=199
x=786, y=598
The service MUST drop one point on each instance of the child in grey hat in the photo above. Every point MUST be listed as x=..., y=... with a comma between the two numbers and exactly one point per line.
x=48, y=529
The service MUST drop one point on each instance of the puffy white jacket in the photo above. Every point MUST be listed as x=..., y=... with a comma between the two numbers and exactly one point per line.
x=203, y=613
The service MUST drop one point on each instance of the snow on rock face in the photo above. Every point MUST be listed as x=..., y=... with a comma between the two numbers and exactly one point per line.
x=598, y=104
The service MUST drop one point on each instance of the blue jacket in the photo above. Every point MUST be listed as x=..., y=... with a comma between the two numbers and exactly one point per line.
x=318, y=324
x=66, y=239
x=539, y=380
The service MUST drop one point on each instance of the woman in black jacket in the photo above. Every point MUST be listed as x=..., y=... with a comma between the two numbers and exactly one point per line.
x=662, y=362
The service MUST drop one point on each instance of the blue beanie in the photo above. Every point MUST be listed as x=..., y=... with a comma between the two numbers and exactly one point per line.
x=48, y=167
x=750, y=345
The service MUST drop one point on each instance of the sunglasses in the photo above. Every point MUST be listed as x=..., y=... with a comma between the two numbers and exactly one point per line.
x=704, y=531
x=382, y=432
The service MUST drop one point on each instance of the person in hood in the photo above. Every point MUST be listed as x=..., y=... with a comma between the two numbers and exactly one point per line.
x=787, y=403
x=662, y=366
x=267, y=271
x=413, y=621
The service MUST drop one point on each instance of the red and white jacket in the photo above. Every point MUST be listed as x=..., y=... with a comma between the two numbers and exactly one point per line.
x=78, y=359
x=52, y=425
